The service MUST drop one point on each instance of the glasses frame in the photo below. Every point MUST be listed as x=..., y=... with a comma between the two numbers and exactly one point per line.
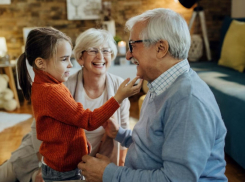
x=99, y=50
x=133, y=42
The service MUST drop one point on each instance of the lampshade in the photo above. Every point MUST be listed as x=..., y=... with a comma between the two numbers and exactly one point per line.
x=187, y=3
x=3, y=46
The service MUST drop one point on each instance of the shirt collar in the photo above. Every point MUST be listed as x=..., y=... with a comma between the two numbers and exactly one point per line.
x=166, y=79
x=44, y=77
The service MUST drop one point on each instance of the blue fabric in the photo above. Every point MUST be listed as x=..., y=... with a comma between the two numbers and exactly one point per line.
x=50, y=175
x=225, y=26
x=179, y=137
x=231, y=103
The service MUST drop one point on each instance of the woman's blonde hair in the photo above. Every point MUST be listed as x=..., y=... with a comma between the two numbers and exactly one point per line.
x=94, y=38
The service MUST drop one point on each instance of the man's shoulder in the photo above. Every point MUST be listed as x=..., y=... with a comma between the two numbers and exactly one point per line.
x=187, y=86
x=182, y=87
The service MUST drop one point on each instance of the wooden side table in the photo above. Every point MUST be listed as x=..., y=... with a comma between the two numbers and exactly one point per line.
x=8, y=71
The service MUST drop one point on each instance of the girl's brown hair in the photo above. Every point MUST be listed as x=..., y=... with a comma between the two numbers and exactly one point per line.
x=41, y=42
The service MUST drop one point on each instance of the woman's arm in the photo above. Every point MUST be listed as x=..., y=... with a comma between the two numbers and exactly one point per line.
x=35, y=142
x=122, y=157
x=36, y=145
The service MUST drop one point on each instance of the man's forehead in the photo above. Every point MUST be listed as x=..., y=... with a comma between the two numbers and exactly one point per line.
x=136, y=30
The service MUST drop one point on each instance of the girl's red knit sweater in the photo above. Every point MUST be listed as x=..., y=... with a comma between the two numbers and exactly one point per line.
x=60, y=121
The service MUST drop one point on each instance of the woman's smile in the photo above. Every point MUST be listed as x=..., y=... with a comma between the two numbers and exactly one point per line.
x=98, y=64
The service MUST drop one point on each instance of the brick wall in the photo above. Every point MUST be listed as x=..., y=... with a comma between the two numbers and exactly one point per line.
x=31, y=13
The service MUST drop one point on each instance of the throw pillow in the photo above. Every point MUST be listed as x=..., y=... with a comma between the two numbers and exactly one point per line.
x=225, y=26
x=233, y=49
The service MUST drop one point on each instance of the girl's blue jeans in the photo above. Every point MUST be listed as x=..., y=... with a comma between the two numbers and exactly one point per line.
x=50, y=175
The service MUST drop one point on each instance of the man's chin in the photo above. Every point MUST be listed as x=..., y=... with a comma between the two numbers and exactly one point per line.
x=140, y=76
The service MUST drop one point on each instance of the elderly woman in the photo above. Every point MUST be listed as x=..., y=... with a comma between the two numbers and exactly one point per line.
x=95, y=49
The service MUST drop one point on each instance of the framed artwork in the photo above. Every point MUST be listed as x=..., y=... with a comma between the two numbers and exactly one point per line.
x=83, y=9
x=5, y=1
x=110, y=27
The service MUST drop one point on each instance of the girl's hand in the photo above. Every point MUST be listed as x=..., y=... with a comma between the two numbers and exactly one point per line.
x=128, y=89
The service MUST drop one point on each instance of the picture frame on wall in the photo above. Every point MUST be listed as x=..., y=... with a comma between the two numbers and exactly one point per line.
x=110, y=27
x=5, y=1
x=83, y=9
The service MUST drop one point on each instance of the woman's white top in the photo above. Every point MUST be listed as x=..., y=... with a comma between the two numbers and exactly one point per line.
x=94, y=137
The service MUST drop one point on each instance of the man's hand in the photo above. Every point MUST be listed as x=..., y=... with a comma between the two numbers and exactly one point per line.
x=111, y=127
x=93, y=168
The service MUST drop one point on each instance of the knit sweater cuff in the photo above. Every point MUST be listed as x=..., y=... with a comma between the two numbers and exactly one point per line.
x=116, y=101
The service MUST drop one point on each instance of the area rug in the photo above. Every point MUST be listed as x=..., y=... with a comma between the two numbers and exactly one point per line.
x=10, y=119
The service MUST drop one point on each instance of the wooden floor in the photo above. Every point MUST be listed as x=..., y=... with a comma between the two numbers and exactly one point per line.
x=10, y=139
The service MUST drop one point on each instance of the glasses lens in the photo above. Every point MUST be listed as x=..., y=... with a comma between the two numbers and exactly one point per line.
x=106, y=51
x=95, y=51
x=130, y=47
x=92, y=51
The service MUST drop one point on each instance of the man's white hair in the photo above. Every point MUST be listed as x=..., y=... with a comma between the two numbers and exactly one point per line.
x=94, y=38
x=164, y=24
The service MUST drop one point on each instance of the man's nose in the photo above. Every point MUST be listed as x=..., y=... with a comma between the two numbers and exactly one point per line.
x=129, y=55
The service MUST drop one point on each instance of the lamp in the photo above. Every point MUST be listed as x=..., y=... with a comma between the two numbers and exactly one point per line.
x=3, y=51
x=198, y=10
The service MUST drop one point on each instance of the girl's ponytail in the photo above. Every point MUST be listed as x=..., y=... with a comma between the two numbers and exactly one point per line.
x=24, y=77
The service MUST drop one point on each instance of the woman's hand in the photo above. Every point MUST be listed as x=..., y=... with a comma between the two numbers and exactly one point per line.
x=89, y=147
x=111, y=127
x=39, y=177
x=128, y=89
x=122, y=157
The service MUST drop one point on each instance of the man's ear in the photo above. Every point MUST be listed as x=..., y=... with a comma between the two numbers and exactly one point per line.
x=40, y=63
x=162, y=48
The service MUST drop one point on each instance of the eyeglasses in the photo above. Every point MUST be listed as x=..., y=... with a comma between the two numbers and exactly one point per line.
x=133, y=42
x=94, y=51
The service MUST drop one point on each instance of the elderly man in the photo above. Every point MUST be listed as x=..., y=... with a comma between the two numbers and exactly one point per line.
x=180, y=134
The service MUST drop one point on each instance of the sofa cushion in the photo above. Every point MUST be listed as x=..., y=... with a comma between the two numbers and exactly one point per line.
x=225, y=26
x=233, y=49
x=226, y=80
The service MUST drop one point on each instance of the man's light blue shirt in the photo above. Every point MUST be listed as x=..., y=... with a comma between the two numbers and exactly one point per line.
x=179, y=137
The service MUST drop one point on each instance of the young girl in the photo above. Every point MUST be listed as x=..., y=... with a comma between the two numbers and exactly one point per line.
x=60, y=120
